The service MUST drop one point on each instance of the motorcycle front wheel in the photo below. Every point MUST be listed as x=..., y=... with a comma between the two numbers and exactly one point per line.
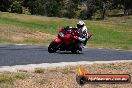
x=52, y=47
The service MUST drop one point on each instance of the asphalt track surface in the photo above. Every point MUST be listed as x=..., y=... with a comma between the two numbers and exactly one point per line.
x=11, y=55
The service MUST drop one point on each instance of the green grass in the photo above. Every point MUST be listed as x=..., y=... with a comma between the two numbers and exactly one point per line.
x=10, y=78
x=39, y=70
x=48, y=25
x=114, y=32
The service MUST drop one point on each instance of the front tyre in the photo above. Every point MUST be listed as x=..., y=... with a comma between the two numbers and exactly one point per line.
x=52, y=47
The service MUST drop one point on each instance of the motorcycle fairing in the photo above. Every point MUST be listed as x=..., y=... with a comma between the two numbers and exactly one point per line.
x=58, y=40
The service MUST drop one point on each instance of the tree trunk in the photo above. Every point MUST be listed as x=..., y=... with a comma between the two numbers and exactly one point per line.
x=125, y=12
x=103, y=11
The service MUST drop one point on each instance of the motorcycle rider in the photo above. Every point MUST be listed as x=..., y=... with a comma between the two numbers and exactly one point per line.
x=83, y=32
x=84, y=35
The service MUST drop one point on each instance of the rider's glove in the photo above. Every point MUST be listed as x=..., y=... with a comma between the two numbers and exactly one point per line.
x=61, y=34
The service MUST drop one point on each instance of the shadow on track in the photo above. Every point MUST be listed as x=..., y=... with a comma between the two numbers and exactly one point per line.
x=66, y=52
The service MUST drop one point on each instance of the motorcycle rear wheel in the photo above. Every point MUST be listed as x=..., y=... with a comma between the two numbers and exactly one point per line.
x=52, y=47
x=74, y=51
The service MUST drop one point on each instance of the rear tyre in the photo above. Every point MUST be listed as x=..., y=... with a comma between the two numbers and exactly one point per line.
x=74, y=51
x=52, y=47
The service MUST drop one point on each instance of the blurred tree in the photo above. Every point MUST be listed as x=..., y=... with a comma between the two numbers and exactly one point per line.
x=5, y=5
x=82, y=9
x=44, y=7
x=126, y=5
x=16, y=7
x=71, y=6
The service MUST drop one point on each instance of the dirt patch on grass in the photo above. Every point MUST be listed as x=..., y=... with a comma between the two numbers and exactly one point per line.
x=66, y=77
x=21, y=35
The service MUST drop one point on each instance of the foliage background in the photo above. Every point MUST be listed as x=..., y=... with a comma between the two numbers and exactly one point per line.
x=80, y=9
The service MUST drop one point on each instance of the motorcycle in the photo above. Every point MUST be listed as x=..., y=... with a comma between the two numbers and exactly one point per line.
x=69, y=42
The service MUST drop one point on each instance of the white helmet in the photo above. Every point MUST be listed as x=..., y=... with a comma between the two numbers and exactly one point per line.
x=80, y=24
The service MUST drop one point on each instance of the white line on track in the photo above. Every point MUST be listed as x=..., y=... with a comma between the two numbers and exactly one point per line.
x=31, y=67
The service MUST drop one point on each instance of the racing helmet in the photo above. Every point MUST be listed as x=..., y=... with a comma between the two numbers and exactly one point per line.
x=80, y=24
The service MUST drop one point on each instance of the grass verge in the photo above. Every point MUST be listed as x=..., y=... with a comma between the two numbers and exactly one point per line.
x=65, y=77
x=111, y=33
x=8, y=79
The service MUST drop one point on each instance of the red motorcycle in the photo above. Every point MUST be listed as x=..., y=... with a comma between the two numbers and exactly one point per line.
x=69, y=42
